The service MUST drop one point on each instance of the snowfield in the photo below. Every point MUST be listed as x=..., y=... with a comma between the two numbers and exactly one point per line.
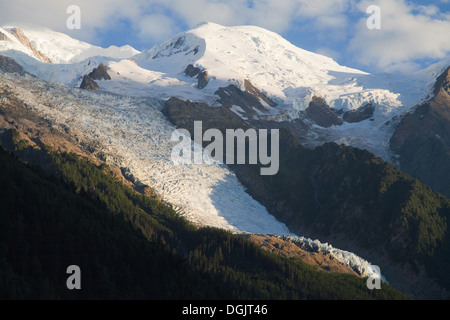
x=289, y=75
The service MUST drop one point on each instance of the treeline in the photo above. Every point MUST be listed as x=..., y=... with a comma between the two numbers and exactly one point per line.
x=129, y=246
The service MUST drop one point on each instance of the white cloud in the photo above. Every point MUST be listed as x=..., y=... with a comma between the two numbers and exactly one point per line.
x=333, y=54
x=95, y=15
x=156, y=27
x=408, y=33
x=275, y=15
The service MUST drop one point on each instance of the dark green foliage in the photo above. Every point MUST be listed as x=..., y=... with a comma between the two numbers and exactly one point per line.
x=348, y=196
x=129, y=246
x=343, y=190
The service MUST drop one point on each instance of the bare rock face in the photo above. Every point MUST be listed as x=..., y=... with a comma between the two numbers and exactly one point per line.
x=192, y=71
x=362, y=113
x=288, y=249
x=203, y=79
x=184, y=113
x=250, y=88
x=422, y=139
x=89, y=84
x=100, y=73
x=319, y=112
x=9, y=65
x=202, y=75
x=3, y=37
x=250, y=100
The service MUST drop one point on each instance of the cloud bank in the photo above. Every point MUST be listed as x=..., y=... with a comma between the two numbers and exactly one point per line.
x=411, y=31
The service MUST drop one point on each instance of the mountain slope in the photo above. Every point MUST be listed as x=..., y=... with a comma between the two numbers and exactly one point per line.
x=55, y=46
x=350, y=198
x=133, y=247
x=286, y=78
x=290, y=77
x=248, y=77
x=422, y=138
x=54, y=56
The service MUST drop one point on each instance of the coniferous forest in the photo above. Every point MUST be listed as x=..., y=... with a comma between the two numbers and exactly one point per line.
x=131, y=246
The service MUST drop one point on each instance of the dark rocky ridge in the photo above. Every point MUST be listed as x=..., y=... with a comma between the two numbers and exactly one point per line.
x=251, y=100
x=9, y=65
x=362, y=113
x=347, y=197
x=202, y=75
x=422, y=139
x=100, y=73
x=89, y=84
x=319, y=112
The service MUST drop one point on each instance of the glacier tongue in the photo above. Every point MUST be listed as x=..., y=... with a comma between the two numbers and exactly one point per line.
x=133, y=133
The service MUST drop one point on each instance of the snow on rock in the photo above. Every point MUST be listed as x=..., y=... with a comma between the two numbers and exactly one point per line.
x=70, y=58
x=288, y=75
x=361, y=266
x=61, y=48
x=285, y=73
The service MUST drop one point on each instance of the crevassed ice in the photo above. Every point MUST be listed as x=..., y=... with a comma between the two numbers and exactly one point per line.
x=133, y=133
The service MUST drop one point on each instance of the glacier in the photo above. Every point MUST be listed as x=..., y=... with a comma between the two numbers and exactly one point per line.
x=132, y=132
x=125, y=123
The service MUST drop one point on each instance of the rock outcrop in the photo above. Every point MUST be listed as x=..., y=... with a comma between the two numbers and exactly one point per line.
x=89, y=84
x=100, y=73
x=9, y=65
x=251, y=100
x=347, y=197
x=202, y=75
x=202, y=79
x=362, y=113
x=320, y=113
x=192, y=71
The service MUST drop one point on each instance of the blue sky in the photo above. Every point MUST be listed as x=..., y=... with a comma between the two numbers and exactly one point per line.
x=413, y=34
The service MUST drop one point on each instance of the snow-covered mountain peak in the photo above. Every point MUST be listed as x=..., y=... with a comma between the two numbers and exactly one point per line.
x=58, y=47
x=287, y=74
x=270, y=62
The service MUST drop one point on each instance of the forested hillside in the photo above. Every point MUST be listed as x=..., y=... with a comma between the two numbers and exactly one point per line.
x=129, y=246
